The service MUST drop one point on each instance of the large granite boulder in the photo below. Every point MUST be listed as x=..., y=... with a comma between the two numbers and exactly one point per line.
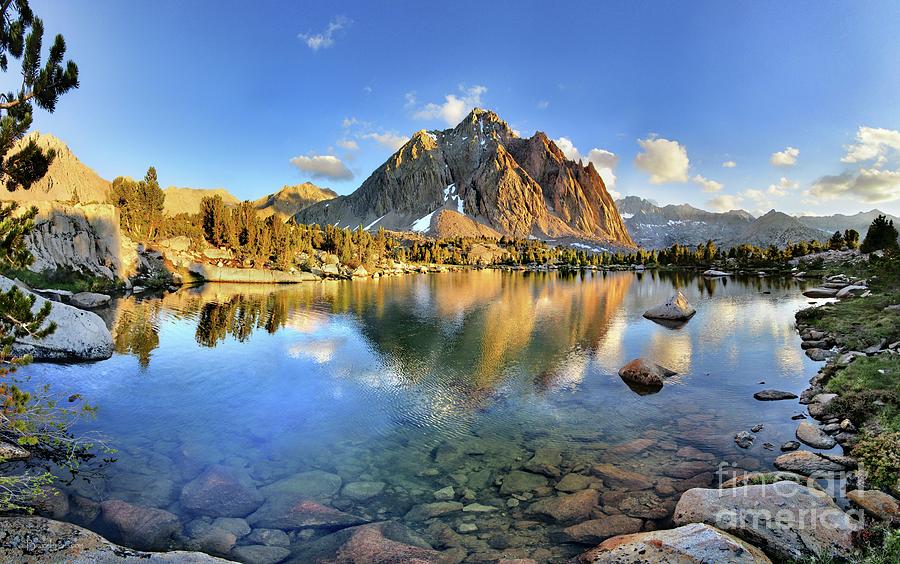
x=811, y=463
x=787, y=520
x=594, y=531
x=35, y=540
x=691, y=544
x=144, y=528
x=80, y=335
x=676, y=309
x=221, y=491
x=89, y=300
x=814, y=436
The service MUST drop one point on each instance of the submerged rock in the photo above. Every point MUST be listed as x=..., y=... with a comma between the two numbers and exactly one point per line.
x=598, y=530
x=314, y=484
x=80, y=335
x=790, y=521
x=622, y=478
x=427, y=511
x=566, y=508
x=361, y=491
x=676, y=309
x=545, y=461
x=386, y=542
x=644, y=373
x=260, y=554
x=145, y=528
x=291, y=513
x=32, y=540
x=693, y=543
x=221, y=491
x=518, y=481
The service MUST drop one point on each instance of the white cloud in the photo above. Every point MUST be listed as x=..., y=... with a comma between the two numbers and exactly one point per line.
x=348, y=144
x=410, y=98
x=604, y=161
x=706, y=184
x=349, y=122
x=867, y=185
x=729, y=164
x=724, y=202
x=454, y=107
x=788, y=157
x=323, y=166
x=324, y=40
x=782, y=188
x=872, y=143
x=543, y=104
x=389, y=139
x=665, y=160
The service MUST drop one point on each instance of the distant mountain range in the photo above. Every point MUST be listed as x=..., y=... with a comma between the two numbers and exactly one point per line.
x=652, y=226
x=480, y=178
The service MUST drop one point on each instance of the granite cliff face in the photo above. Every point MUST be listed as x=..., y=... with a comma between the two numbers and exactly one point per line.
x=481, y=170
x=79, y=237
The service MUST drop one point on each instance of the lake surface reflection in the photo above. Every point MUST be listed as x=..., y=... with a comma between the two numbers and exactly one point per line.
x=370, y=396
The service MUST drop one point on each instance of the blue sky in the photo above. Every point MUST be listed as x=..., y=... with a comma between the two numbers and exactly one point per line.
x=252, y=96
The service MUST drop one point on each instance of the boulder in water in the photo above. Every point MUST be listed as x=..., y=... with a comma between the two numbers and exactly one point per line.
x=676, y=309
x=644, y=373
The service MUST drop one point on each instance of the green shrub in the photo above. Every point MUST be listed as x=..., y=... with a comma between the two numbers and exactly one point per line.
x=879, y=456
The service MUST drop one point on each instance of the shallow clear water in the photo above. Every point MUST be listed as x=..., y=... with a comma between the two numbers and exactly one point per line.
x=426, y=381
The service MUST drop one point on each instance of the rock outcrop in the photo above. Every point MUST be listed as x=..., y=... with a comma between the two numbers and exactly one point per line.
x=80, y=335
x=787, y=520
x=481, y=170
x=36, y=540
x=687, y=544
x=80, y=237
x=212, y=273
x=187, y=200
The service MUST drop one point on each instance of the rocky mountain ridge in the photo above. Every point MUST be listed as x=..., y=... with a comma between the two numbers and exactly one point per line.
x=482, y=171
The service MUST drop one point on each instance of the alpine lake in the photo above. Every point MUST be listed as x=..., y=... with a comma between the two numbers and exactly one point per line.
x=482, y=410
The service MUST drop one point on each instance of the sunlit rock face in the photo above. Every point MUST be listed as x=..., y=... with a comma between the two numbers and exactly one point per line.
x=483, y=171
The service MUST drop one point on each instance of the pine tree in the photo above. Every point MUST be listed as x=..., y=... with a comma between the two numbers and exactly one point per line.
x=21, y=38
x=882, y=235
